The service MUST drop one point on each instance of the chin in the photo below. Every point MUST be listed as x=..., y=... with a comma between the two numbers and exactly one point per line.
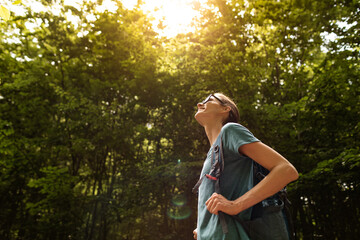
x=199, y=118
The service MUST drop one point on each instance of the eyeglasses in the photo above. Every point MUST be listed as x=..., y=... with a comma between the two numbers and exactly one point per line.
x=209, y=97
x=231, y=114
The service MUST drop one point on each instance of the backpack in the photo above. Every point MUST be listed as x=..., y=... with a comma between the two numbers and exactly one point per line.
x=270, y=218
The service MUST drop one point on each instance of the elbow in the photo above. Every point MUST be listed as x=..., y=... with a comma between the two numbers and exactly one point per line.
x=292, y=173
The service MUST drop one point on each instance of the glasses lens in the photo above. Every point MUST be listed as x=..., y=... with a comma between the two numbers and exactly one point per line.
x=206, y=99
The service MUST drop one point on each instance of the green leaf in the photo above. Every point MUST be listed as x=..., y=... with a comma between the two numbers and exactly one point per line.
x=4, y=13
x=49, y=47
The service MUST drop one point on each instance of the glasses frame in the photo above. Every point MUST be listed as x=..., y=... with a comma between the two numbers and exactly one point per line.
x=212, y=95
x=209, y=97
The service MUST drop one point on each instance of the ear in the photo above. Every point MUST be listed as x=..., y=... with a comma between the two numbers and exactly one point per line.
x=227, y=109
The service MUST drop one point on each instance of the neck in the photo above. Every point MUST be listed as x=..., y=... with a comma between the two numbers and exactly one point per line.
x=212, y=131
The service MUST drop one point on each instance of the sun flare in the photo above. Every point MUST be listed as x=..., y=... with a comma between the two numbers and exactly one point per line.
x=174, y=15
x=170, y=17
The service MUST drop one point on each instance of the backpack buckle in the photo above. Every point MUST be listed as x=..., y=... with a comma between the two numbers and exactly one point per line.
x=210, y=177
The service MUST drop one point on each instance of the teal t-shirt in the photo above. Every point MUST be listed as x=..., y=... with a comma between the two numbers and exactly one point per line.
x=236, y=179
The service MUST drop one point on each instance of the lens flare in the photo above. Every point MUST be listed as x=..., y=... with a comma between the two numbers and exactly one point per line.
x=178, y=209
x=179, y=200
x=179, y=212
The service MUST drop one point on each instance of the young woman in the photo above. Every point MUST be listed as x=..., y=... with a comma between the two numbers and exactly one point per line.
x=219, y=116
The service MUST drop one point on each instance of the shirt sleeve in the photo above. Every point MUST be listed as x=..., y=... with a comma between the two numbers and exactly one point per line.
x=235, y=135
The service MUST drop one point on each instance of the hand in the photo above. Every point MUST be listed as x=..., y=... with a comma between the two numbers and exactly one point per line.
x=218, y=203
x=195, y=233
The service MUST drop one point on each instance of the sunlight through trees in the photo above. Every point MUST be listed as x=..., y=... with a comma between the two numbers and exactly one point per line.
x=97, y=98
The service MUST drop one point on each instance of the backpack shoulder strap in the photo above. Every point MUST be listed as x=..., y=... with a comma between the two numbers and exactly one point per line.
x=217, y=166
x=218, y=158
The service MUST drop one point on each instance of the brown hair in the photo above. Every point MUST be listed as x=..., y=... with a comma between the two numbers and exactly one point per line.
x=234, y=115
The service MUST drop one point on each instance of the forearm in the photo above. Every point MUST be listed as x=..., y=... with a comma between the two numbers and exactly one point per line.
x=281, y=173
x=278, y=178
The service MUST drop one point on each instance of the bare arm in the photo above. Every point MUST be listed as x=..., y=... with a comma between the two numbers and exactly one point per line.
x=281, y=173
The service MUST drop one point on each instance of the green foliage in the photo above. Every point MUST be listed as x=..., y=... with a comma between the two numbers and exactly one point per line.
x=54, y=204
x=335, y=198
x=97, y=135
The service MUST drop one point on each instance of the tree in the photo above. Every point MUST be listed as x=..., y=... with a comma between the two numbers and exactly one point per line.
x=97, y=135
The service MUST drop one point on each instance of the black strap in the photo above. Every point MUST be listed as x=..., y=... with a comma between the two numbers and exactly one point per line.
x=214, y=171
x=219, y=160
x=221, y=214
x=197, y=185
x=290, y=223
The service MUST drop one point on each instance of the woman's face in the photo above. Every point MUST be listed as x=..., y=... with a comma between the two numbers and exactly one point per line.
x=210, y=108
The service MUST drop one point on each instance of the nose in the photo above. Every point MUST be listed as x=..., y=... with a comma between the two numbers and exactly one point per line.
x=199, y=104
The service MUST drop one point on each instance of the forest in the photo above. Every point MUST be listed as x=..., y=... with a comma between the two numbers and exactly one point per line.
x=98, y=139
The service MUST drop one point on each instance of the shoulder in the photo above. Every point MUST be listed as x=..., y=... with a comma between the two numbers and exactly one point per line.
x=234, y=128
x=234, y=135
